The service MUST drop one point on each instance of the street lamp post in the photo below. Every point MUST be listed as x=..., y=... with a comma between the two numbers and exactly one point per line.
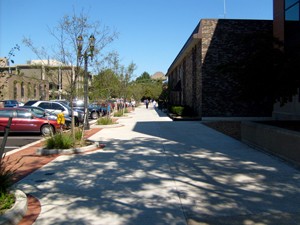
x=89, y=52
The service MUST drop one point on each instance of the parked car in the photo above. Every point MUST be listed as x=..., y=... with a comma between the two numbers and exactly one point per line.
x=26, y=121
x=40, y=112
x=57, y=107
x=66, y=102
x=78, y=104
x=10, y=103
x=30, y=102
x=96, y=111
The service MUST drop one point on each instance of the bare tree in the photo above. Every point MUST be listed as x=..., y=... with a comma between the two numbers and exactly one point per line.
x=65, y=48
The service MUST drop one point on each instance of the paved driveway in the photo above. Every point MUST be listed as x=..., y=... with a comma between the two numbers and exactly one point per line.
x=154, y=171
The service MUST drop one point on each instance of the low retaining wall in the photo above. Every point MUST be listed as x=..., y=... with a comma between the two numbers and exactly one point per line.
x=281, y=142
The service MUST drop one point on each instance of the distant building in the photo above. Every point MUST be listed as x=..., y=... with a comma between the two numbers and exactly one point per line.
x=46, y=62
x=194, y=77
x=159, y=76
x=39, y=80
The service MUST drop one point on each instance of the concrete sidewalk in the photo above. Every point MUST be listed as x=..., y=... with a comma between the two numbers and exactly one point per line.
x=156, y=171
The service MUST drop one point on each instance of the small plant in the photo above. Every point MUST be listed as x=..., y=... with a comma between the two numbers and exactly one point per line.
x=6, y=178
x=59, y=141
x=182, y=110
x=177, y=110
x=64, y=140
x=118, y=113
x=104, y=121
x=78, y=134
x=7, y=200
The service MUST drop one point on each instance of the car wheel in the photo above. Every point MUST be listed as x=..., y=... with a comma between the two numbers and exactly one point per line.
x=94, y=115
x=47, y=130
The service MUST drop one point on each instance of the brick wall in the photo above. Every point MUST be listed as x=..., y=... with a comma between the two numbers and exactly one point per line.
x=209, y=91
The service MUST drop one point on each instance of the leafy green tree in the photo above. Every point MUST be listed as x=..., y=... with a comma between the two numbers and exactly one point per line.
x=66, y=34
x=105, y=85
x=125, y=76
x=144, y=78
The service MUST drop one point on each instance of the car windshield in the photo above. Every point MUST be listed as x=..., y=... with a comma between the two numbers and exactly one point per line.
x=37, y=115
x=68, y=107
x=78, y=103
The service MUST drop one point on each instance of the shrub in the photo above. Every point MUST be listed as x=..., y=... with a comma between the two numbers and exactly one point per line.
x=119, y=113
x=7, y=200
x=60, y=141
x=104, y=121
x=182, y=110
x=6, y=177
x=178, y=110
x=78, y=134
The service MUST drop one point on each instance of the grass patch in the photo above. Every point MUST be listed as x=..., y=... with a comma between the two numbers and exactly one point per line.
x=105, y=121
x=7, y=200
x=120, y=112
x=64, y=140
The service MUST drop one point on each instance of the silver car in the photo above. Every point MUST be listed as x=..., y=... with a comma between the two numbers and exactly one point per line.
x=57, y=107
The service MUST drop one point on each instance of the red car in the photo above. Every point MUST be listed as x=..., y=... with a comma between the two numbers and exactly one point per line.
x=25, y=121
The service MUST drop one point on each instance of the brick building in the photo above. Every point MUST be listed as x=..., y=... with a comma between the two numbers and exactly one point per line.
x=195, y=78
x=286, y=27
x=37, y=80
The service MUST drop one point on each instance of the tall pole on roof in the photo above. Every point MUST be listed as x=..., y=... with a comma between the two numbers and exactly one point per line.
x=224, y=9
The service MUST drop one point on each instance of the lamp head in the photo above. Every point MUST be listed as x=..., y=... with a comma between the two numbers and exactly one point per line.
x=92, y=44
x=79, y=44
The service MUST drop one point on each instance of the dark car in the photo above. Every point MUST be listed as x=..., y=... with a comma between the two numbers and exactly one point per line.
x=10, y=103
x=78, y=105
x=96, y=111
x=40, y=112
x=26, y=122
x=30, y=102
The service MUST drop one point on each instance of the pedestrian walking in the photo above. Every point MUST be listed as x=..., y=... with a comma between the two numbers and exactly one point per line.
x=147, y=103
x=133, y=104
x=154, y=104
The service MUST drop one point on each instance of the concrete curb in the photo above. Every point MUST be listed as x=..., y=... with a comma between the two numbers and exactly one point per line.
x=15, y=214
x=108, y=126
x=45, y=151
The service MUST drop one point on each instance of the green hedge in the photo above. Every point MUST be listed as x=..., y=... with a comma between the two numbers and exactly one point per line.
x=182, y=110
x=178, y=110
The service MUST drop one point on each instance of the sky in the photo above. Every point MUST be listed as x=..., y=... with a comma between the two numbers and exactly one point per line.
x=151, y=32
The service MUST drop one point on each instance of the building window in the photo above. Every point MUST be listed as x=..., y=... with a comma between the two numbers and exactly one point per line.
x=29, y=91
x=41, y=92
x=34, y=90
x=292, y=10
x=22, y=90
x=15, y=90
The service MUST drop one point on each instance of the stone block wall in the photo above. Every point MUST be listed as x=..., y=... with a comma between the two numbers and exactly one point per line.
x=223, y=44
